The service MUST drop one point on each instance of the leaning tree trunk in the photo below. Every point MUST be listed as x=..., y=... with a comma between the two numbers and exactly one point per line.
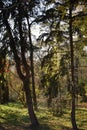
x=33, y=118
x=73, y=115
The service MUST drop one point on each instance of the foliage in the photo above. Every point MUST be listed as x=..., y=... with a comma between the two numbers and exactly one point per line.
x=49, y=77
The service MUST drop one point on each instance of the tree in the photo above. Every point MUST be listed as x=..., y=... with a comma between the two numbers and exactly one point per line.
x=73, y=119
x=18, y=43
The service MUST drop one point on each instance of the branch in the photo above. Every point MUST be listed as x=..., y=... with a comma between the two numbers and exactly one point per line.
x=9, y=7
x=12, y=43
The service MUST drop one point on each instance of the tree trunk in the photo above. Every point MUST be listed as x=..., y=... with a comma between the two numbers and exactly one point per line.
x=32, y=66
x=29, y=103
x=73, y=118
x=33, y=86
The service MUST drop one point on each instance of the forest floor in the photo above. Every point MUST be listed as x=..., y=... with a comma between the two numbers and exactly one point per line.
x=14, y=116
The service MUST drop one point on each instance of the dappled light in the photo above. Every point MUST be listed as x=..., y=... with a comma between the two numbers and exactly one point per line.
x=43, y=65
x=15, y=116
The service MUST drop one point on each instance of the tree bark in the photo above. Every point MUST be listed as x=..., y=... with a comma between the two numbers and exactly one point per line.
x=29, y=103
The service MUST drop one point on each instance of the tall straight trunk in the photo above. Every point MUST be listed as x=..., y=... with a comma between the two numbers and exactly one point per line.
x=33, y=82
x=73, y=115
x=33, y=118
x=32, y=66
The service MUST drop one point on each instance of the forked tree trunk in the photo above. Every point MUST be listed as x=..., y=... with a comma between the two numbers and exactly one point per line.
x=21, y=59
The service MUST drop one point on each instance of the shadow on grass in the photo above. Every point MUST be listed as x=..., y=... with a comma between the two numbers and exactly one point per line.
x=65, y=128
x=68, y=128
x=13, y=117
x=40, y=127
x=44, y=127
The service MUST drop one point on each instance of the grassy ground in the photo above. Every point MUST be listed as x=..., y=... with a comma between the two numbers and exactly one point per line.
x=14, y=116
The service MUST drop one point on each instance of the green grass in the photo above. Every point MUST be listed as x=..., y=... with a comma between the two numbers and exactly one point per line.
x=14, y=114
